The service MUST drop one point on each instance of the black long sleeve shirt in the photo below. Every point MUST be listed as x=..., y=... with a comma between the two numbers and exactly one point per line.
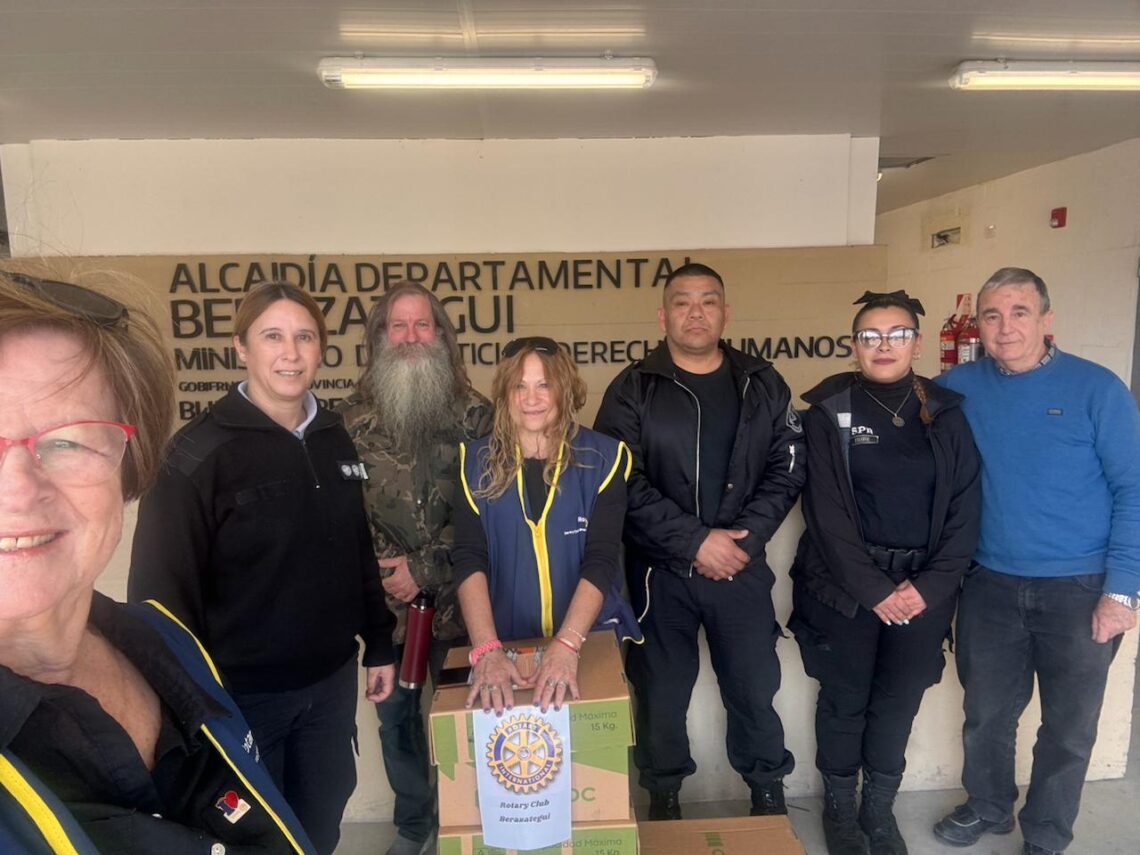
x=91, y=764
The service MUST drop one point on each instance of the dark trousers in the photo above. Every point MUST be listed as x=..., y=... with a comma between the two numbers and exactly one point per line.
x=405, y=751
x=306, y=739
x=871, y=680
x=1011, y=628
x=741, y=630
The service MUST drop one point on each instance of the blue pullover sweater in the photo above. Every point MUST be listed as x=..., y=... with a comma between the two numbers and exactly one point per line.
x=1060, y=448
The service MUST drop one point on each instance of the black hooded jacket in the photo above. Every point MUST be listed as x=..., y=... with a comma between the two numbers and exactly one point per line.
x=658, y=417
x=832, y=562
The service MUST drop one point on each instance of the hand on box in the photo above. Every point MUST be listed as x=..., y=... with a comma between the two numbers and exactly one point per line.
x=493, y=680
x=557, y=674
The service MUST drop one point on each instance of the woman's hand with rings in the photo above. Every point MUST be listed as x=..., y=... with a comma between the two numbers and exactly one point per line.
x=557, y=676
x=493, y=680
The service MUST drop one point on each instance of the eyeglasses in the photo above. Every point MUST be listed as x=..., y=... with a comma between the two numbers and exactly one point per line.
x=540, y=343
x=898, y=337
x=76, y=299
x=78, y=454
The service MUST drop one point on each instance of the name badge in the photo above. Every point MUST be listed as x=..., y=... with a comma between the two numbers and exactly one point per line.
x=353, y=470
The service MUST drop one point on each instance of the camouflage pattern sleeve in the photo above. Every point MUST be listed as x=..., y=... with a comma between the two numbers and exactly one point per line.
x=408, y=498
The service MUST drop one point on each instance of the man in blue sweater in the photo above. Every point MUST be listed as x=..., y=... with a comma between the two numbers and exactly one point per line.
x=1058, y=563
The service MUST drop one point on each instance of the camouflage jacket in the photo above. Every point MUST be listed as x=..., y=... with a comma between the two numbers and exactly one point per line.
x=408, y=498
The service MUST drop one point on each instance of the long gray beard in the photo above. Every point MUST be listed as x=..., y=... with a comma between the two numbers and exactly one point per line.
x=412, y=386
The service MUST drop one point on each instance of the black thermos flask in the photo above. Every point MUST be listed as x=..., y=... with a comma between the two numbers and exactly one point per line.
x=417, y=641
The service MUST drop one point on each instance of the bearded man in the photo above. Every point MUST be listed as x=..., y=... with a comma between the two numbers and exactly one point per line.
x=412, y=407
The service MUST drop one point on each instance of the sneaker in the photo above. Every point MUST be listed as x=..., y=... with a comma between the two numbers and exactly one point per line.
x=964, y=827
x=664, y=804
x=768, y=799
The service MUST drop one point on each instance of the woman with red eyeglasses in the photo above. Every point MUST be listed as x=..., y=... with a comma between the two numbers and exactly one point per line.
x=115, y=732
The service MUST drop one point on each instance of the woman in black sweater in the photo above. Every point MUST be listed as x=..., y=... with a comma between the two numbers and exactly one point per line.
x=891, y=507
x=255, y=537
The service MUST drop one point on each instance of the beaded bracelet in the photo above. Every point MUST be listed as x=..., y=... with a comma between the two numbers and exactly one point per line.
x=486, y=647
x=581, y=637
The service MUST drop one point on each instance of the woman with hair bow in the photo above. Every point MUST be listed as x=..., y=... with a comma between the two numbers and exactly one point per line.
x=891, y=508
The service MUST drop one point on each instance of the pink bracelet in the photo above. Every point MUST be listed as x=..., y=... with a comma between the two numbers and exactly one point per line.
x=486, y=647
x=574, y=649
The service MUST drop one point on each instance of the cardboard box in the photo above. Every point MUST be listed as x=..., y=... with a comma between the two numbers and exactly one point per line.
x=736, y=835
x=588, y=838
x=601, y=731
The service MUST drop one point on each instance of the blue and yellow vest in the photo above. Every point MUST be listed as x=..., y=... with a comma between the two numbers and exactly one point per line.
x=33, y=820
x=534, y=566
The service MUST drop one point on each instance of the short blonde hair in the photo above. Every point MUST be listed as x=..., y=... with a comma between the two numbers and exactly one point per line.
x=129, y=352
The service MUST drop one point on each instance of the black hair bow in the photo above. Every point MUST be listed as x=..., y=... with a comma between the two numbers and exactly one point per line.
x=898, y=297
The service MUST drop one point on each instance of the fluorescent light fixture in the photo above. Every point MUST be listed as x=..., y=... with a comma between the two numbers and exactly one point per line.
x=1025, y=76
x=486, y=73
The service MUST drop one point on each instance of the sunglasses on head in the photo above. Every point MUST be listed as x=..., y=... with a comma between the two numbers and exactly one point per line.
x=539, y=343
x=76, y=299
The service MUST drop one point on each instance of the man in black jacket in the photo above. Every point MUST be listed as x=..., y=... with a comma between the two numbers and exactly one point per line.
x=718, y=457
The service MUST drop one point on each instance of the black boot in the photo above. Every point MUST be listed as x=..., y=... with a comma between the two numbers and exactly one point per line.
x=768, y=799
x=664, y=804
x=876, y=816
x=840, y=827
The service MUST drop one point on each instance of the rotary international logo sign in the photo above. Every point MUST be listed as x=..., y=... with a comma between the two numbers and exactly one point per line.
x=524, y=753
x=523, y=778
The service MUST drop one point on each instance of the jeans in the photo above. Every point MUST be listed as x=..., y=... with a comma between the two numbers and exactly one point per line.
x=871, y=680
x=1010, y=629
x=306, y=738
x=404, y=747
x=741, y=630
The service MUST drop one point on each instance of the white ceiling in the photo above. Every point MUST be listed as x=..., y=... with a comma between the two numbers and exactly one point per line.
x=83, y=69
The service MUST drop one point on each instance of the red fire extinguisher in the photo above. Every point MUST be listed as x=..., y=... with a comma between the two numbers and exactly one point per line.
x=948, y=345
x=948, y=337
x=969, y=342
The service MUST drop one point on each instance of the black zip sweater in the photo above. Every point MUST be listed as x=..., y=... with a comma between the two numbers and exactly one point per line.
x=832, y=561
x=659, y=418
x=258, y=541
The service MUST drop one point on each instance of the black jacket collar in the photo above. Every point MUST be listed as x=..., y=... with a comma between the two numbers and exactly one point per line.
x=190, y=703
x=660, y=361
x=938, y=397
x=235, y=410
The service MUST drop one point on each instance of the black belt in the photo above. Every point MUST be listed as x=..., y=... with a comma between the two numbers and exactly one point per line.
x=899, y=564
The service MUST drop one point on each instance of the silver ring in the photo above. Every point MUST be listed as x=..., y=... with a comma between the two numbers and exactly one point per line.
x=561, y=684
x=550, y=681
x=495, y=689
x=486, y=687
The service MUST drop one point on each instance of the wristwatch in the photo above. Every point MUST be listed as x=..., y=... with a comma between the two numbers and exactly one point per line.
x=1125, y=600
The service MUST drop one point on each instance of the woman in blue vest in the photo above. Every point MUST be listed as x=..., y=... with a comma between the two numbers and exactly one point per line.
x=538, y=534
x=115, y=732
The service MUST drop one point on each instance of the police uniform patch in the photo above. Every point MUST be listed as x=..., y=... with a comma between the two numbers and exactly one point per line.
x=524, y=753
x=353, y=470
x=793, y=420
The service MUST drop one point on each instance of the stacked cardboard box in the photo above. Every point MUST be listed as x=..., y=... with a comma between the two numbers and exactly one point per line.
x=601, y=731
x=738, y=835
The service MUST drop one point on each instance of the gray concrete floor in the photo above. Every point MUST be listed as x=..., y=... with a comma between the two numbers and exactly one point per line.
x=1109, y=822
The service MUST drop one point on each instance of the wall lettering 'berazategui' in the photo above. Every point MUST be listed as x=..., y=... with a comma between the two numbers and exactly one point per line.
x=789, y=306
